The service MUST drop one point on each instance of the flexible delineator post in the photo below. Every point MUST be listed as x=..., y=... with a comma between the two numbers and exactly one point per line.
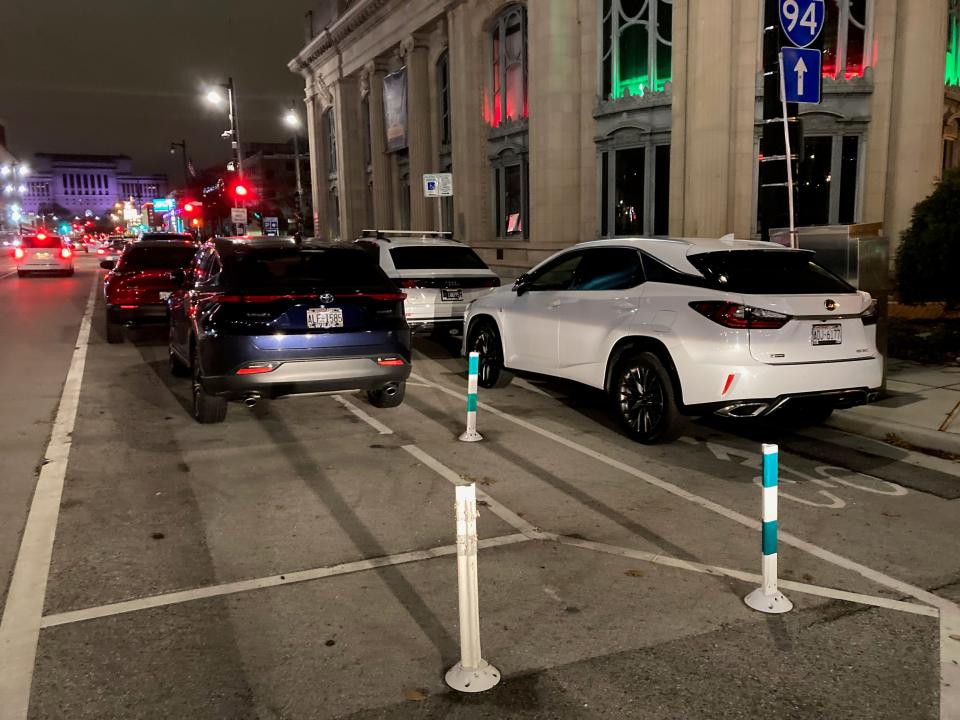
x=472, y=673
x=473, y=370
x=767, y=598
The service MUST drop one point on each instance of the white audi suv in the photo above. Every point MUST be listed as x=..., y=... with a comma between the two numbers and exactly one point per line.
x=684, y=327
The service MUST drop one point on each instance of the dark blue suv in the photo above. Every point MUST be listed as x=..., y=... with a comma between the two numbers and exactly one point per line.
x=259, y=319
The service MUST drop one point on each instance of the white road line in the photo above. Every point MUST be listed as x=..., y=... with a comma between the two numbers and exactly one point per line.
x=497, y=508
x=949, y=688
x=9, y=274
x=175, y=598
x=752, y=578
x=366, y=417
x=20, y=626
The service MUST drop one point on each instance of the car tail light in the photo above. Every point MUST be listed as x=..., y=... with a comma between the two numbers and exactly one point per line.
x=489, y=282
x=18, y=253
x=871, y=314
x=391, y=362
x=66, y=253
x=100, y=251
x=743, y=317
x=409, y=284
x=258, y=368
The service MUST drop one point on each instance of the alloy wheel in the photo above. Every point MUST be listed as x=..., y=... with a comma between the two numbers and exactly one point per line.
x=486, y=344
x=641, y=399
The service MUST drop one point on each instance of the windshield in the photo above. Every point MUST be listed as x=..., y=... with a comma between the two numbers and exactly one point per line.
x=767, y=272
x=443, y=257
x=157, y=258
x=293, y=267
x=46, y=242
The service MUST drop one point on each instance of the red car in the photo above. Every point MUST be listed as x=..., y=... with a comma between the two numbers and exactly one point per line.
x=140, y=281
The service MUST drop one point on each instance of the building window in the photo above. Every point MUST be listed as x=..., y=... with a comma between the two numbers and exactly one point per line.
x=952, y=73
x=443, y=96
x=635, y=191
x=637, y=50
x=828, y=180
x=508, y=82
x=330, y=131
x=848, y=25
x=511, y=196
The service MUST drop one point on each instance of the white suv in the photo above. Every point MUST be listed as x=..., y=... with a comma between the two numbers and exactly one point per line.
x=685, y=327
x=440, y=277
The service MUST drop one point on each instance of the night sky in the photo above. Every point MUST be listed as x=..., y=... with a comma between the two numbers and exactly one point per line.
x=126, y=76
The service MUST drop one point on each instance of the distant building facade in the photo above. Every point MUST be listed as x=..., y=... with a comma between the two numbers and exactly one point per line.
x=271, y=168
x=79, y=185
x=567, y=120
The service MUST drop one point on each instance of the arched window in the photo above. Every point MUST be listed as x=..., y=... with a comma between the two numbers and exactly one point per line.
x=847, y=26
x=637, y=51
x=508, y=78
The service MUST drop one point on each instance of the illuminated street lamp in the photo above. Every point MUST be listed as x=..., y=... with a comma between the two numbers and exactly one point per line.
x=292, y=121
x=214, y=97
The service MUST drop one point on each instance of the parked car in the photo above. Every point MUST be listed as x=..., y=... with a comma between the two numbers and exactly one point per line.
x=43, y=252
x=439, y=276
x=263, y=318
x=670, y=328
x=140, y=281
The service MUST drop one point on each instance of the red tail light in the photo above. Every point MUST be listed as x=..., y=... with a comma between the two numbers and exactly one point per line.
x=391, y=362
x=871, y=314
x=18, y=253
x=742, y=317
x=409, y=284
x=41, y=236
x=101, y=251
x=66, y=253
x=258, y=368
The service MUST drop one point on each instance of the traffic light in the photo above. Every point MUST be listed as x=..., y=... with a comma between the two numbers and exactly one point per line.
x=241, y=190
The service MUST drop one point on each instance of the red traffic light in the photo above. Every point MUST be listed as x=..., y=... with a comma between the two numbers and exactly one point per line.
x=192, y=207
x=240, y=190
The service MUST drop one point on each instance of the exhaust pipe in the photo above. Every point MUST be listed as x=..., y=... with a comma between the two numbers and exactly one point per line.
x=251, y=399
x=391, y=389
x=743, y=410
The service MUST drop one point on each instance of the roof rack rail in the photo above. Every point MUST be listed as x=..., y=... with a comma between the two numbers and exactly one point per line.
x=381, y=234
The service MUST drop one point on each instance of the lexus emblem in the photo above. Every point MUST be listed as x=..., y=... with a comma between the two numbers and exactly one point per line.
x=326, y=298
x=830, y=305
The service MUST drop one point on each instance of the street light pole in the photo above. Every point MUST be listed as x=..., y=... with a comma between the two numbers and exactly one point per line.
x=234, y=126
x=293, y=121
x=183, y=149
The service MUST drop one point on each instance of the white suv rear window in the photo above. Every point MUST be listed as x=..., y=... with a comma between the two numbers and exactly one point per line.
x=441, y=257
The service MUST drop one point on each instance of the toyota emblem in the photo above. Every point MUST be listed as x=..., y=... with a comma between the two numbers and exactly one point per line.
x=329, y=298
x=830, y=305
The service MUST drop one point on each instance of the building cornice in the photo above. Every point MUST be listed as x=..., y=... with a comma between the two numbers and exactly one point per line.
x=333, y=35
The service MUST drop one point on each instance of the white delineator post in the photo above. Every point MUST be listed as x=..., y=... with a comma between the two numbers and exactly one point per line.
x=768, y=598
x=473, y=370
x=472, y=673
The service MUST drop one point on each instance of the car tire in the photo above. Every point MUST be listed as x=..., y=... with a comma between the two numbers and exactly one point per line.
x=643, y=399
x=177, y=367
x=207, y=409
x=114, y=332
x=382, y=399
x=21, y=273
x=68, y=273
x=485, y=339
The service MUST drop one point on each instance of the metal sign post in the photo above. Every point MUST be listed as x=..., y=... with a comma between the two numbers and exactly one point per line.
x=438, y=185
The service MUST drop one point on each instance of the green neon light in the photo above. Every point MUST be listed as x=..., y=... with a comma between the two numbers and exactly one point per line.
x=638, y=85
x=952, y=73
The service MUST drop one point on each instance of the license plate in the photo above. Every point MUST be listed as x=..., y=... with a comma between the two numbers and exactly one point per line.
x=164, y=295
x=451, y=294
x=826, y=335
x=324, y=318
x=43, y=256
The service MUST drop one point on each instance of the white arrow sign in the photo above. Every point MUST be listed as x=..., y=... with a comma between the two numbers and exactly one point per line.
x=800, y=69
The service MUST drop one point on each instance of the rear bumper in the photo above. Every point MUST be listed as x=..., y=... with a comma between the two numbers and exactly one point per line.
x=419, y=326
x=53, y=266
x=139, y=314
x=760, y=407
x=297, y=377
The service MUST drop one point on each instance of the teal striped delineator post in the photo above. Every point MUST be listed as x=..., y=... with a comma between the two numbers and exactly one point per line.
x=473, y=370
x=767, y=598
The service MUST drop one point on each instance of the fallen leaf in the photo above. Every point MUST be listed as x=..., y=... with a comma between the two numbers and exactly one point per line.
x=634, y=573
x=415, y=695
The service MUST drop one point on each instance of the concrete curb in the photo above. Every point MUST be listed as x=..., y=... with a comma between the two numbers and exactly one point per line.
x=879, y=429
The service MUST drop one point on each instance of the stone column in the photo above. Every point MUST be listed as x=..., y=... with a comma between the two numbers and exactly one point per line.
x=554, y=100
x=315, y=151
x=351, y=173
x=917, y=105
x=379, y=159
x=414, y=49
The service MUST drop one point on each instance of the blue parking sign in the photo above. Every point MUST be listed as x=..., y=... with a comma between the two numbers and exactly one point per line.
x=801, y=75
x=802, y=20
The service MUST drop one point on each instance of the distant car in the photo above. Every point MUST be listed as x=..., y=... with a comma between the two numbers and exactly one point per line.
x=140, y=281
x=111, y=248
x=43, y=252
x=167, y=236
x=685, y=327
x=262, y=318
x=440, y=277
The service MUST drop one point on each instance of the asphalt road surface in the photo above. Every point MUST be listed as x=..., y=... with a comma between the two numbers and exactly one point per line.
x=299, y=560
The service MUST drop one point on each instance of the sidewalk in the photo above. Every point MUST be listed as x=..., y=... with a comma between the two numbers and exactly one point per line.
x=921, y=407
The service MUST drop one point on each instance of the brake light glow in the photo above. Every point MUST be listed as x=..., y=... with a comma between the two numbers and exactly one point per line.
x=128, y=307
x=258, y=368
x=409, y=284
x=66, y=253
x=18, y=253
x=741, y=317
x=100, y=251
x=41, y=236
x=391, y=362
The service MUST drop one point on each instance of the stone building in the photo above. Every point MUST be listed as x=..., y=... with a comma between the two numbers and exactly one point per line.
x=566, y=120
